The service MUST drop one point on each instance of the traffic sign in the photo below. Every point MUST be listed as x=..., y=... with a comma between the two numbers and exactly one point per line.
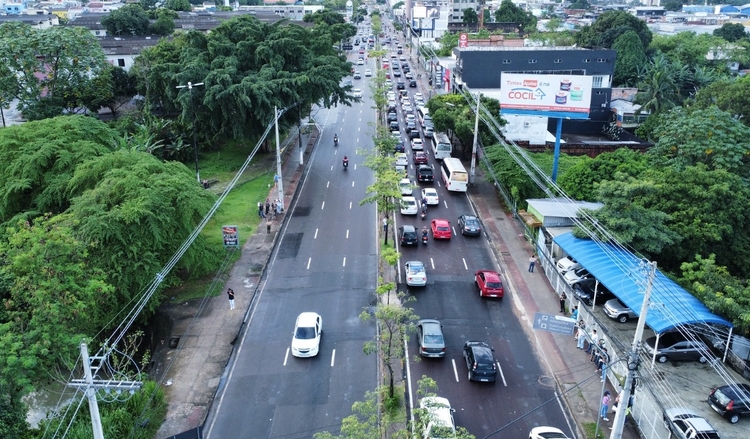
x=463, y=40
x=553, y=323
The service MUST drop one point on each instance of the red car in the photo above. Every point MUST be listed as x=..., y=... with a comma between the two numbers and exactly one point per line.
x=489, y=283
x=441, y=229
x=385, y=65
x=387, y=76
x=420, y=158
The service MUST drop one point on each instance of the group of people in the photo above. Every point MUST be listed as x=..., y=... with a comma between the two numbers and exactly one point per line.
x=270, y=209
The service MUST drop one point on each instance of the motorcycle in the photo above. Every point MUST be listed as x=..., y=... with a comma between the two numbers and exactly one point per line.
x=424, y=238
x=346, y=164
x=335, y=141
x=424, y=214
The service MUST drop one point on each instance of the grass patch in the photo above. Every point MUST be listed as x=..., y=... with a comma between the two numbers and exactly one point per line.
x=239, y=208
x=590, y=427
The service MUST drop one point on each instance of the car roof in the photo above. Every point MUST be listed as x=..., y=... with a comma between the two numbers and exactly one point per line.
x=415, y=263
x=404, y=180
x=408, y=228
x=441, y=221
x=307, y=319
x=431, y=324
x=430, y=189
x=491, y=275
x=736, y=390
x=689, y=416
x=408, y=198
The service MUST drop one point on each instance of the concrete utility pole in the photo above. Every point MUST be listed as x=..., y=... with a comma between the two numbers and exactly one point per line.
x=91, y=386
x=476, y=141
x=301, y=151
x=622, y=408
x=190, y=86
x=280, y=184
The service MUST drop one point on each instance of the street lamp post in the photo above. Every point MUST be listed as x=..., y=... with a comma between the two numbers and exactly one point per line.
x=476, y=141
x=190, y=86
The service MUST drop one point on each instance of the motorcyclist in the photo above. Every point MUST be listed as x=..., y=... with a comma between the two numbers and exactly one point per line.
x=424, y=208
x=346, y=161
x=424, y=232
x=335, y=139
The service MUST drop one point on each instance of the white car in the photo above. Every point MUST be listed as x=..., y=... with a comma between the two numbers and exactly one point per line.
x=357, y=92
x=409, y=206
x=360, y=62
x=430, y=195
x=575, y=276
x=411, y=118
x=406, y=186
x=402, y=160
x=406, y=107
x=547, y=433
x=417, y=144
x=419, y=96
x=419, y=103
x=402, y=58
x=416, y=276
x=567, y=264
x=306, y=337
x=368, y=72
x=439, y=423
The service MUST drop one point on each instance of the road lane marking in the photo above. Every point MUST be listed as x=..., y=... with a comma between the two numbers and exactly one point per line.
x=433, y=263
x=454, y=230
x=501, y=373
x=344, y=261
x=465, y=266
x=455, y=371
x=331, y=168
x=352, y=184
x=350, y=205
x=286, y=356
x=359, y=128
x=323, y=206
x=308, y=262
x=316, y=234
x=446, y=204
x=333, y=357
x=328, y=184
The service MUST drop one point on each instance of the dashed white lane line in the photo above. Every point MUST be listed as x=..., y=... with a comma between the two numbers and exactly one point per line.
x=316, y=234
x=308, y=262
x=446, y=204
x=352, y=184
x=350, y=205
x=328, y=184
x=347, y=233
x=344, y=265
x=502, y=375
x=455, y=371
x=454, y=230
x=286, y=356
x=323, y=206
x=333, y=357
x=432, y=263
x=465, y=266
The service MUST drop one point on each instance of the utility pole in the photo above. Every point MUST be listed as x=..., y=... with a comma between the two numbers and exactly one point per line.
x=622, y=408
x=280, y=183
x=190, y=86
x=301, y=151
x=476, y=141
x=91, y=386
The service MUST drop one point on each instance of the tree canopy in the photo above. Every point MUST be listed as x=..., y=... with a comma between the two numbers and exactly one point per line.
x=128, y=20
x=609, y=26
x=630, y=56
x=731, y=32
x=730, y=95
x=508, y=12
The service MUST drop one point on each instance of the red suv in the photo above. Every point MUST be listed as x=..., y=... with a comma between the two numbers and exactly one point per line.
x=489, y=283
x=420, y=158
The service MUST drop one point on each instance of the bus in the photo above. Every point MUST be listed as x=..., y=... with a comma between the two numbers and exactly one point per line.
x=441, y=146
x=455, y=176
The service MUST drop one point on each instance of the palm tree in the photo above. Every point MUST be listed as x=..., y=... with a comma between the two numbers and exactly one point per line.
x=657, y=88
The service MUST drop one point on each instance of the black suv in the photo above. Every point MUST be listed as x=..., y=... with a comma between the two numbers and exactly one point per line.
x=584, y=291
x=480, y=361
x=400, y=85
x=731, y=401
x=424, y=173
x=392, y=117
x=394, y=126
x=407, y=235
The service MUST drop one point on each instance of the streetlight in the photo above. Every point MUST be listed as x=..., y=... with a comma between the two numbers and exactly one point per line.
x=190, y=86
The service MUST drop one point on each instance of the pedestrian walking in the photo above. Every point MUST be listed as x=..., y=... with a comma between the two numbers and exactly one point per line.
x=605, y=405
x=260, y=210
x=279, y=207
x=273, y=209
x=268, y=207
x=563, y=298
x=230, y=294
x=532, y=262
x=574, y=314
x=593, y=341
x=581, y=334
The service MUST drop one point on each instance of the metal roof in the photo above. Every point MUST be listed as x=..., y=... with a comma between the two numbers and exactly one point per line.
x=561, y=207
x=620, y=271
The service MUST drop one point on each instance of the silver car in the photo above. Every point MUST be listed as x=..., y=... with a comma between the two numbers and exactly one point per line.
x=430, y=338
x=618, y=311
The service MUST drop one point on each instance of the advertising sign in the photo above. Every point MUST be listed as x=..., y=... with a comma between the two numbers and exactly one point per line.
x=463, y=41
x=231, y=238
x=559, y=93
x=419, y=12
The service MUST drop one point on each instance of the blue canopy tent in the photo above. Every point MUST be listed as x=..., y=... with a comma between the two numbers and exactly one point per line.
x=619, y=270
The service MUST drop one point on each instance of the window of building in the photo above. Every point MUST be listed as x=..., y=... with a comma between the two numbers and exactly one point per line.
x=558, y=61
x=506, y=61
x=121, y=62
x=532, y=61
x=602, y=81
x=601, y=60
x=586, y=60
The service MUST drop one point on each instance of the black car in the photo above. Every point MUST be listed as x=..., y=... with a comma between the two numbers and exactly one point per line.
x=407, y=235
x=411, y=126
x=400, y=85
x=584, y=291
x=406, y=69
x=469, y=225
x=392, y=117
x=731, y=401
x=413, y=83
x=424, y=173
x=399, y=51
x=480, y=361
x=399, y=146
x=414, y=134
x=404, y=64
x=394, y=126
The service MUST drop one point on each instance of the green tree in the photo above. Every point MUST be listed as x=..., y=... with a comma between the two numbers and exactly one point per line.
x=12, y=411
x=730, y=95
x=723, y=294
x=672, y=5
x=581, y=179
x=134, y=211
x=609, y=26
x=508, y=12
x=178, y=5
x=658, y=87
x=731, y=32
x=470, y=17
x=363, y=423
x=580, y=4
x=626, y=218
x=709, y=136
x=163, y=26
x=630, y=55
x=115, y=88
x=39, y=159
x=127, y=20
x=70, y=56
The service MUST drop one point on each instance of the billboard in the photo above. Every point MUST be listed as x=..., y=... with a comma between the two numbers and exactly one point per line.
x=426, y=10
x=231, y=239
x=533, y=92
x=419, y=12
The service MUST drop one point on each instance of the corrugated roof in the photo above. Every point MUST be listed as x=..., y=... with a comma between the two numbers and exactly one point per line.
x=561, y=207
x=620, y=271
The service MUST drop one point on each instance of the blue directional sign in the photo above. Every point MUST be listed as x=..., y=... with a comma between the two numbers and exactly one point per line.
x=553, y=323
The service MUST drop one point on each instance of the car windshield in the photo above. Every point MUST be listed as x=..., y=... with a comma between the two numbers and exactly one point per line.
x=409, y=202
x=494, y=284
x=416, y=268
x=305, y=333
x=433, y=338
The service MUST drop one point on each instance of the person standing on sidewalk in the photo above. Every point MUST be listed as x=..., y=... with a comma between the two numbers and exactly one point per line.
x=532, y=262
x=594, y=340
x=268, y=207
x=260, y=210
x=230, y=294
x=563, y=298
x=605, y=405
x=581, y=329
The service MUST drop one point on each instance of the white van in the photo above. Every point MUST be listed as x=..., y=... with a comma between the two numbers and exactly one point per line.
x=421, y=113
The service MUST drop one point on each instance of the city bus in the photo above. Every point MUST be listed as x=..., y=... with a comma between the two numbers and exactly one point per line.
x=454, y=174
x=441, y=146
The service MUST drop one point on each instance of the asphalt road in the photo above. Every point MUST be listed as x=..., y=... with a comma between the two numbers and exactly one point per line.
x=325, y=262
